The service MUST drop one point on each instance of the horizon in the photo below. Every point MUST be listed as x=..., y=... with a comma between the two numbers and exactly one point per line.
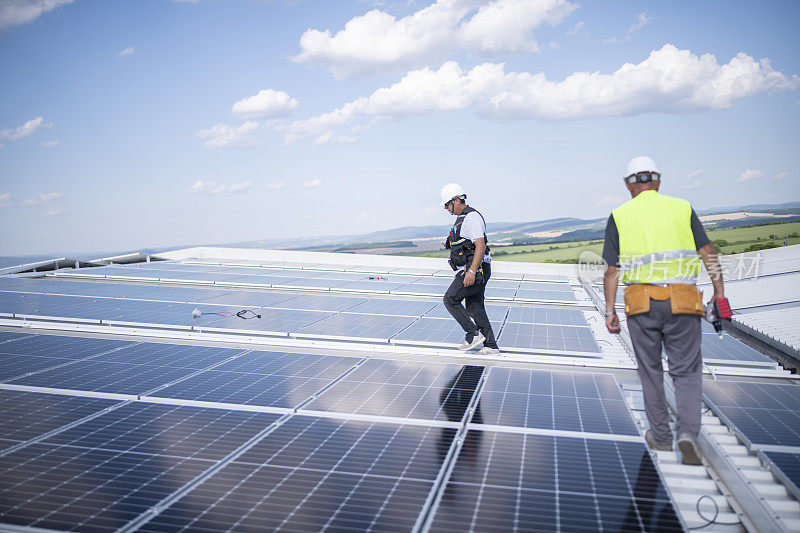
x=174, y=121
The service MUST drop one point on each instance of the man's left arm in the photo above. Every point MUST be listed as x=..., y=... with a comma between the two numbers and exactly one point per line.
x=480, y=249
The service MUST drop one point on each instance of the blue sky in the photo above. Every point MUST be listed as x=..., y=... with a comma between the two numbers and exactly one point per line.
x=153, y=123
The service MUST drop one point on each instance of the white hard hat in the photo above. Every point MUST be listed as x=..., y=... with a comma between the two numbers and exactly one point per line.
x=450, y=191
x=644, y=168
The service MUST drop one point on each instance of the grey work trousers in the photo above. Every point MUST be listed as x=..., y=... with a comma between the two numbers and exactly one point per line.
x=681, y=339
x=475, y=309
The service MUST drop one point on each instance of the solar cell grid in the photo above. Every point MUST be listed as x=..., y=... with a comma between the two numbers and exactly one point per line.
x=434, y=332
x=378, y=306
x=352, y=325
x=64, y=487
x=155, y=429
x=26, y=415
x=788, y=466
x=554, y=400
x=404, y=390
x=532, y=337
x=504, y=481
x=61, y=346
x=289, y=364
x=101, y=376
x=280, y=321
x=730, y=349
x=764, y=414
x=547, y=315
x=315, y=474
x=170, y=355
x=15, y=365
x=496, y=313
x=313, y=302
x=536, y=294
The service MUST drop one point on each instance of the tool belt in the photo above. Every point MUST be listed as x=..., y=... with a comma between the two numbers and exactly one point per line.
x=684, y=299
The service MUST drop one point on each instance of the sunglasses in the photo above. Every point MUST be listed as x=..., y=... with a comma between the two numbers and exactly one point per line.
x=643, y=177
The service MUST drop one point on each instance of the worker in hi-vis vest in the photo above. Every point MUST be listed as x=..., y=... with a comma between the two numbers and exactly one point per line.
x=657, y=242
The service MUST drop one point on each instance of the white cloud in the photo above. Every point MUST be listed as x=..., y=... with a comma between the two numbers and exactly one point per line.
x=15, y=12
x=611, y=200
x=5, y=199
x=275, y=185
x=329, y=138
x=750, y=174
x=693, y=185
x=379, y=42
x=312, y=183
x=127, y=52
x=268, y=103
x=580, y=27
x=781, y=176
x=55, y=212
x=223, y=135
x=694, y=174
x=668, y=81
x=41, y=199
x=51, y=144
x=641, y=21
x=26, y=130
x=211, y=187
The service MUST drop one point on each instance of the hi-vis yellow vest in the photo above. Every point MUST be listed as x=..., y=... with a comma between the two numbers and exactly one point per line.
x=656, y=244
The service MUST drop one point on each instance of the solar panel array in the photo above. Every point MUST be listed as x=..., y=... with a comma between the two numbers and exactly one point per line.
x=154, y=436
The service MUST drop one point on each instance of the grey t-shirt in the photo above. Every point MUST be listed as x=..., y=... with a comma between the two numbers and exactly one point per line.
x=611, y=245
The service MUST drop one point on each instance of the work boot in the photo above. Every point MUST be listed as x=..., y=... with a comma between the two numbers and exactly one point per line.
x=690, y=454
x=469, y=344
x=488, y=351
x=651, y=441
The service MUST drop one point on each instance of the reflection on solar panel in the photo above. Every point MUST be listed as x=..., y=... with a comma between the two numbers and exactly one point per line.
x=404, y=390
x=267, y=379
x=434, y=332
x=314, y=473
x=568, y=401
x=546, y=337
x=61, y=346
x=547, y=315
x=763, y=414
x=536, y=294
x=356, y=326
x=496, y=313
x=27, y=415
x=506, y=481
x=274, y=321
x=730, y=349
x=786, y=465
x=312, y=302
x=377, y=306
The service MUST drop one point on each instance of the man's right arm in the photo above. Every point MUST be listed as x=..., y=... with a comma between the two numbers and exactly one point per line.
x=611, y=275
x=709, y=255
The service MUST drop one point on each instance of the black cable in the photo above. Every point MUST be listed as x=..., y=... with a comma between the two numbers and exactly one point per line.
x=243, y=312
x=713, y=519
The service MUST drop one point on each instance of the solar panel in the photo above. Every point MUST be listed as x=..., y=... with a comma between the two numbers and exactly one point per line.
x=544, y=286
x=355, y=326
x=272, y=321
x=730, y=349
x=422, y=289
x=532, y=337
x=547, y=315
x=15, y=365
x=314, y=473
x=786, y=466
x=762, y=413
x=497, y=293
x=506, y=481
x=434, y=332
x=545, y=277
x=322, y=302
x=7, y=336
x=536, y=294
x=264, y=378
x=156, y=429
x=61, y=346
x=568, y=401
x=401, y=389
x=380, y=306
x=170, y=355
x=378, y=286
x=27, y=415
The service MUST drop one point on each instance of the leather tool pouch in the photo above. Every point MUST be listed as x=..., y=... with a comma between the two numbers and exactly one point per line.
x=686, y=300
x=637, y=299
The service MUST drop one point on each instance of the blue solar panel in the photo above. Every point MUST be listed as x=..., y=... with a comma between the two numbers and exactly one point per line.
x=786, y=466
x=379, y=306
x=538, y=294
x=290, y=364
x=507, y=481
x=313, y=474
x=729, y=349
x=532, y=337
x=61, y=346
x=581, y=402
x=434, y=332
x=27, y=415
x=547, y=315
x=356, y=326
x=170, y=355
x=496, y=313
x=431, y=391
x=275, y=321
x=762, y=413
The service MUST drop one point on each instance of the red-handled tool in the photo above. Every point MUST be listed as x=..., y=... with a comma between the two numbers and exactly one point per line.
x=722, y=311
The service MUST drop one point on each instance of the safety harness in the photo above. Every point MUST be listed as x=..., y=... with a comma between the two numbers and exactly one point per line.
x=462, y=250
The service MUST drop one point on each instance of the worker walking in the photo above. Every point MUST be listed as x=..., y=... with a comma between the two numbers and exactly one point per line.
x=654, y=240
x=470, y=258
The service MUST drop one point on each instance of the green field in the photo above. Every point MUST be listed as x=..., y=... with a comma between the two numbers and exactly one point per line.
x=728, y=241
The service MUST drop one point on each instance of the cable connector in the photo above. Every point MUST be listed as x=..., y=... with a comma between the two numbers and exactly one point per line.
x=196, y=313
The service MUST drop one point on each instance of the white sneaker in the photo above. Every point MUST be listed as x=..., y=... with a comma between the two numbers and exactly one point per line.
x=488, y=351
x=476, y=340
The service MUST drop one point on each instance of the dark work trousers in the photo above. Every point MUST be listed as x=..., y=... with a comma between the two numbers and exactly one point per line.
x=475, y=309
x=680, y=336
